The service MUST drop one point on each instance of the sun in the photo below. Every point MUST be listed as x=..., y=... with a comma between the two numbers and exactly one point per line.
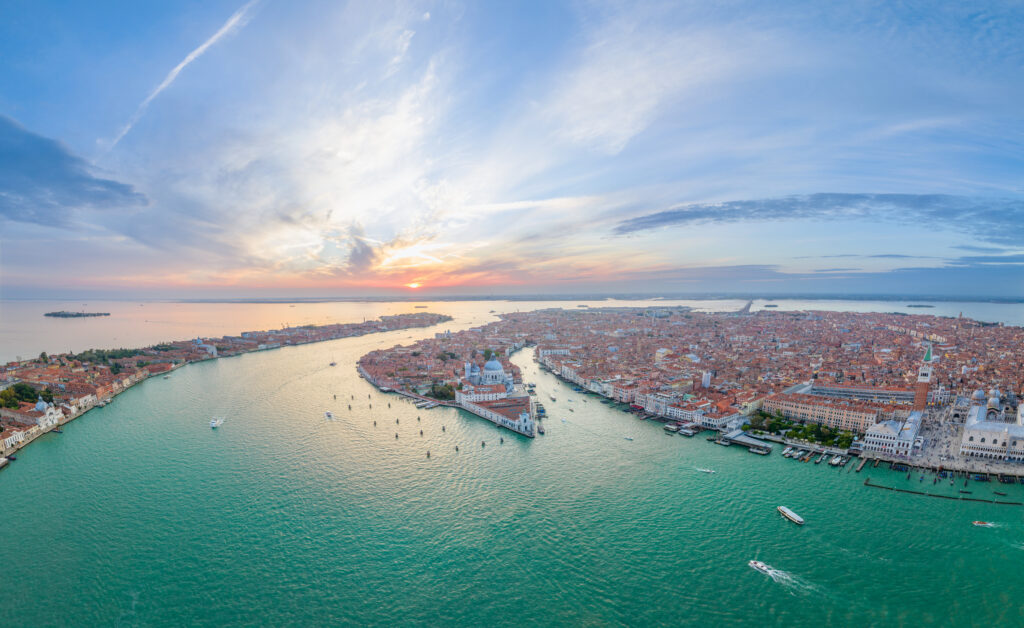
x=413, y=285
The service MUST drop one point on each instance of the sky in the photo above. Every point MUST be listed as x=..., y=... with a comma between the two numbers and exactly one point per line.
x=298, y=149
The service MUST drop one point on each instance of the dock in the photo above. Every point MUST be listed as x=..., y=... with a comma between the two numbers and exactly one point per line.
x=739, y=437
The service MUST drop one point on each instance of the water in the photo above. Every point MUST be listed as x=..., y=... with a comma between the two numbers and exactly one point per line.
x=140, y=514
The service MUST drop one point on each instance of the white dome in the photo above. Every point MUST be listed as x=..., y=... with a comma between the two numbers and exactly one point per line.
x=493, y=365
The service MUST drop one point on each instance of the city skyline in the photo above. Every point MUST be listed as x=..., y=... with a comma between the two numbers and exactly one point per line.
x=265, y=149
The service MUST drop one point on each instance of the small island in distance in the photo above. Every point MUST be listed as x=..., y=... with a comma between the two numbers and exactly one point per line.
x=919, y=305
x=64, y=314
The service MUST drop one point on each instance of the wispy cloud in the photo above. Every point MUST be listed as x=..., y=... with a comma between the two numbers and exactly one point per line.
x=990, y=219
x=236, y=21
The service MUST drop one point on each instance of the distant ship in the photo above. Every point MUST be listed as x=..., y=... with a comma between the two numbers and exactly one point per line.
x=763, y=568
x=216, y=422
x=792, y=516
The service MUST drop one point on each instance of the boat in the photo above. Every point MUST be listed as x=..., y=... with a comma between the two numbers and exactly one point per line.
x=761, y=451
x=216, y=422
x=787, y=451
x=671, y=427
x=540, y=429
x=57, y=431
x=792, y=516
x=167, y=377
x=703, y=470
x=552, y=397
x=328, y=415
x=996, y=492
x=628, y=437
x=983, y=524
x=965, y=492
x=759, y=566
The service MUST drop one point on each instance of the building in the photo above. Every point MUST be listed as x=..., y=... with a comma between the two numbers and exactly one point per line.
x=838, y=414
x=898, y=438
x=924, y=378
x=993, y=431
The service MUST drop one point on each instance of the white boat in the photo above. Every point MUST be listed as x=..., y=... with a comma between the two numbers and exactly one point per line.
x=982, y=524
x=792, y=516
x=763, y=568
x=328, y=415
x=787, y=451
x=628, y=437
x=703, y=470
x=216, y=422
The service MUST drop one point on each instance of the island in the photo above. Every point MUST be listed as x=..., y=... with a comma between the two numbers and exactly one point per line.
x=828, y=385
x=64, y=314
x=920, y=305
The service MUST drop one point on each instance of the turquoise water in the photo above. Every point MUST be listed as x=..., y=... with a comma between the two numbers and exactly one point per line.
x=140, y=514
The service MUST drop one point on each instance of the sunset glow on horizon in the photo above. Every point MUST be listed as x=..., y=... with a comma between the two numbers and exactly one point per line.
x=645, y=148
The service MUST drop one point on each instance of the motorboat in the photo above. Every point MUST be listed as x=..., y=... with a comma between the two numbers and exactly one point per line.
x=792, y=516
x=216, y=422
x=983, y=524
x=628, y=437
x=328, y=415
x=759, y=566
x=703, y=470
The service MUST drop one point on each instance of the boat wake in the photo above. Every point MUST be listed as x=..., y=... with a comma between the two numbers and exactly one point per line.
x=795, y=584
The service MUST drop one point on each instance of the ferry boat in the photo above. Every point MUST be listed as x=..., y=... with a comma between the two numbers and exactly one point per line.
x=671, y=427
x=761, y=451
x=216, y=422
x=759, y=566
x=982, y=524
x=792, y=516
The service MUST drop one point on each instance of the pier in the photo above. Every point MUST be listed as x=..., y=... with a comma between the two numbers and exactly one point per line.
x=867, y=482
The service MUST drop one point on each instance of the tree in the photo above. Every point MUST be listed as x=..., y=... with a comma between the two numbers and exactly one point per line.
x=487, y=354
x=43, y=357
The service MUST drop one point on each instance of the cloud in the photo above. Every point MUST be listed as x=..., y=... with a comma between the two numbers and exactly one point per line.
x=633, y=68
x=361, y=255
x=237, y=20
x=41, y=181
x=994, y=220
